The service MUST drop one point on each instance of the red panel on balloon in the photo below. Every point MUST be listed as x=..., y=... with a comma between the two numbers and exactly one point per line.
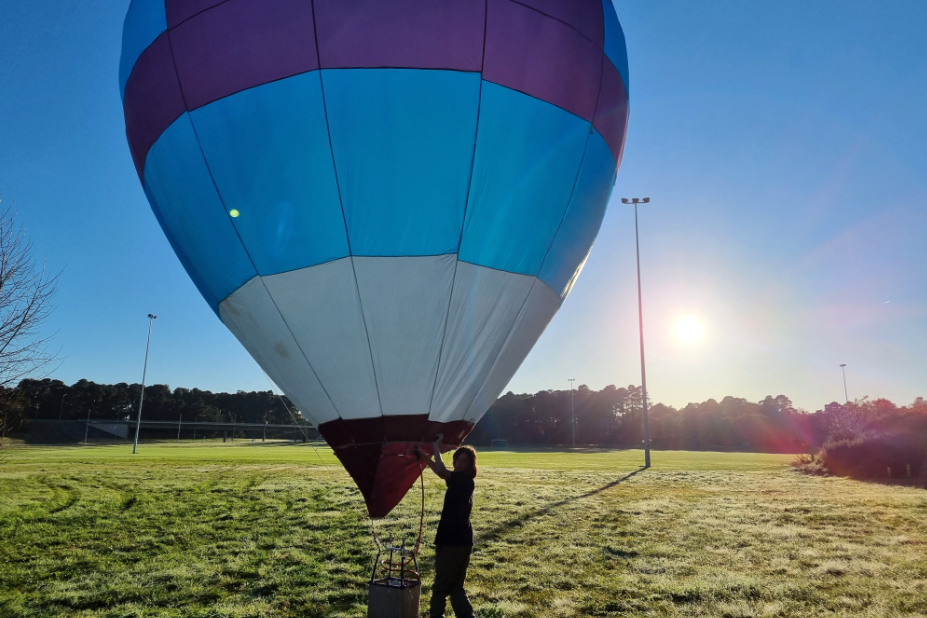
x=384, y=467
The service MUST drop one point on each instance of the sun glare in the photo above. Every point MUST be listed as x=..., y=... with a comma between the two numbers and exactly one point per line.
x=688, y=329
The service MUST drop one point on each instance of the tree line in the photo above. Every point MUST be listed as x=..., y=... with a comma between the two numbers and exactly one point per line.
x=612, y=416
x=49, y=399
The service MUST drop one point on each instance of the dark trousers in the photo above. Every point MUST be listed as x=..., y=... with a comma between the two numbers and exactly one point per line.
x=450, y=572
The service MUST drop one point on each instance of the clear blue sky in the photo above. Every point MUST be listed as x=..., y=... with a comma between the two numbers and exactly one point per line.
x=782, y=143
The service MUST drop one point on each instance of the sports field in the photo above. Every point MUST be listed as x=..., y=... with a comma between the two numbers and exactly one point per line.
x=246, y=529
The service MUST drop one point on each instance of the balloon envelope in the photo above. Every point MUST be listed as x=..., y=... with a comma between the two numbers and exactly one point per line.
x=385, y=201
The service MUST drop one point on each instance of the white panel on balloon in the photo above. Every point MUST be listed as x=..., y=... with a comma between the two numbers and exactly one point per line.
x=536, y=314
x=484, y=307
x=322, y=309
x=252, y=317
x=405, y=305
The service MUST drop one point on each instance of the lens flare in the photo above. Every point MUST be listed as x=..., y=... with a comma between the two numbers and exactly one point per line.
x=688, y=329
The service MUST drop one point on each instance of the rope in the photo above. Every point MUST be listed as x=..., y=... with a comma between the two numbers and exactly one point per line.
x=292, y=416
x=407, y=557
x=421, y=525
x=387, y=564
x=421, y=517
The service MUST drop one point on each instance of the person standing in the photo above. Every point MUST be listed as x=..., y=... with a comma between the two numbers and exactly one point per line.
x=454, y=539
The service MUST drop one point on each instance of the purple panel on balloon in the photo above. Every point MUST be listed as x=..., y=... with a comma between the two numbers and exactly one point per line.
x=611, y=117
x=417, y=34
x=584, y=15
x=241, y=44
x=152, y=99
x=179, y=11
x=542, y=57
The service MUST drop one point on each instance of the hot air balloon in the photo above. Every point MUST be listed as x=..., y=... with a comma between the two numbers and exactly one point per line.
x=386, y=201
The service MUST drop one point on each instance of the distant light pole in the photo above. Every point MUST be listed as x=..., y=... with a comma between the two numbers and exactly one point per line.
x=640, y=318
x=572, y=411
x=843, y=367
x=141, y=400
x=179, y=425
x=61, y=407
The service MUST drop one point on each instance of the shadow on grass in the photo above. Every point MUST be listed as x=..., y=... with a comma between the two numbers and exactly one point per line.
x=500, y=530
x=558, y=448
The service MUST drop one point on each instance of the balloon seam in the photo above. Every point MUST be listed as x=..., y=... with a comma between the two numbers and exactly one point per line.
x=463, y=221
x=344, y=218
x=567, y=24
x=542, y=100
x=240, y=241
x=511, y=331
x=185, y=20
x=579, y=171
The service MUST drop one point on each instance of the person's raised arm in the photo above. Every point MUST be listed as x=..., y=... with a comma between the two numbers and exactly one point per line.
x=439, y=466
x=436, y=464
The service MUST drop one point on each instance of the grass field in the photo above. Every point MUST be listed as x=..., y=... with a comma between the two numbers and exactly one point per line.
x=247, y=529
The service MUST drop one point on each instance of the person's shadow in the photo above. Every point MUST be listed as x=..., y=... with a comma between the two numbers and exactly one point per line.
x=499, y=531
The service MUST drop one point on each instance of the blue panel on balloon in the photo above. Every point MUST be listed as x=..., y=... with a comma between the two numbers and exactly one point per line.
x=268, y=151
x=615, y=48
x=145, y=20
x=191, y=213
x=528, y=155
x=583, y=217
x=178, y=250
x=403, y=143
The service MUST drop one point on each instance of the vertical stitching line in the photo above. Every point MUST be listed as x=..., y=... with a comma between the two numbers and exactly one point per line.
x=511, y=331
x=237, y=234
x=463, y=222
x=553, y=239
x=582, y=160
x=331, y=147
x=566, y=209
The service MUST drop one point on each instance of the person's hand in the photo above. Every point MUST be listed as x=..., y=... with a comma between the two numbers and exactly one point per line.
x=418, y=453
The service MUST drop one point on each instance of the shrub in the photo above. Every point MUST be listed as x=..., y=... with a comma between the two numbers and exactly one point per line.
x=869, y=455
x=810, y=464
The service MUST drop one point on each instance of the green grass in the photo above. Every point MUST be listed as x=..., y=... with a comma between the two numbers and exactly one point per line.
x=245, y=529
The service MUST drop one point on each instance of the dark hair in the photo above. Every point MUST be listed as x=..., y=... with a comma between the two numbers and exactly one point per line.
x=471, y=452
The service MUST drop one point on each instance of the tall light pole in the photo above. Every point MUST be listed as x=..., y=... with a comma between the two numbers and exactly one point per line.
x=843, y=367
x=640, y=319
x=141, y=400
x=572, y=411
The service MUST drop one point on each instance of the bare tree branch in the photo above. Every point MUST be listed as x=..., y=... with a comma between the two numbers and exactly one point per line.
x=27, y=293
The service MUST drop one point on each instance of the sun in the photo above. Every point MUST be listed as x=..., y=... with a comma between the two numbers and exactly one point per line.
x=689, y=329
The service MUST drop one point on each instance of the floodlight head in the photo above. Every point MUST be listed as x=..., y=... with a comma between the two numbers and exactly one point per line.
x=152, y=316
x=625, y=200
x=843, y=365
x=646, y=200
x=635, y=200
